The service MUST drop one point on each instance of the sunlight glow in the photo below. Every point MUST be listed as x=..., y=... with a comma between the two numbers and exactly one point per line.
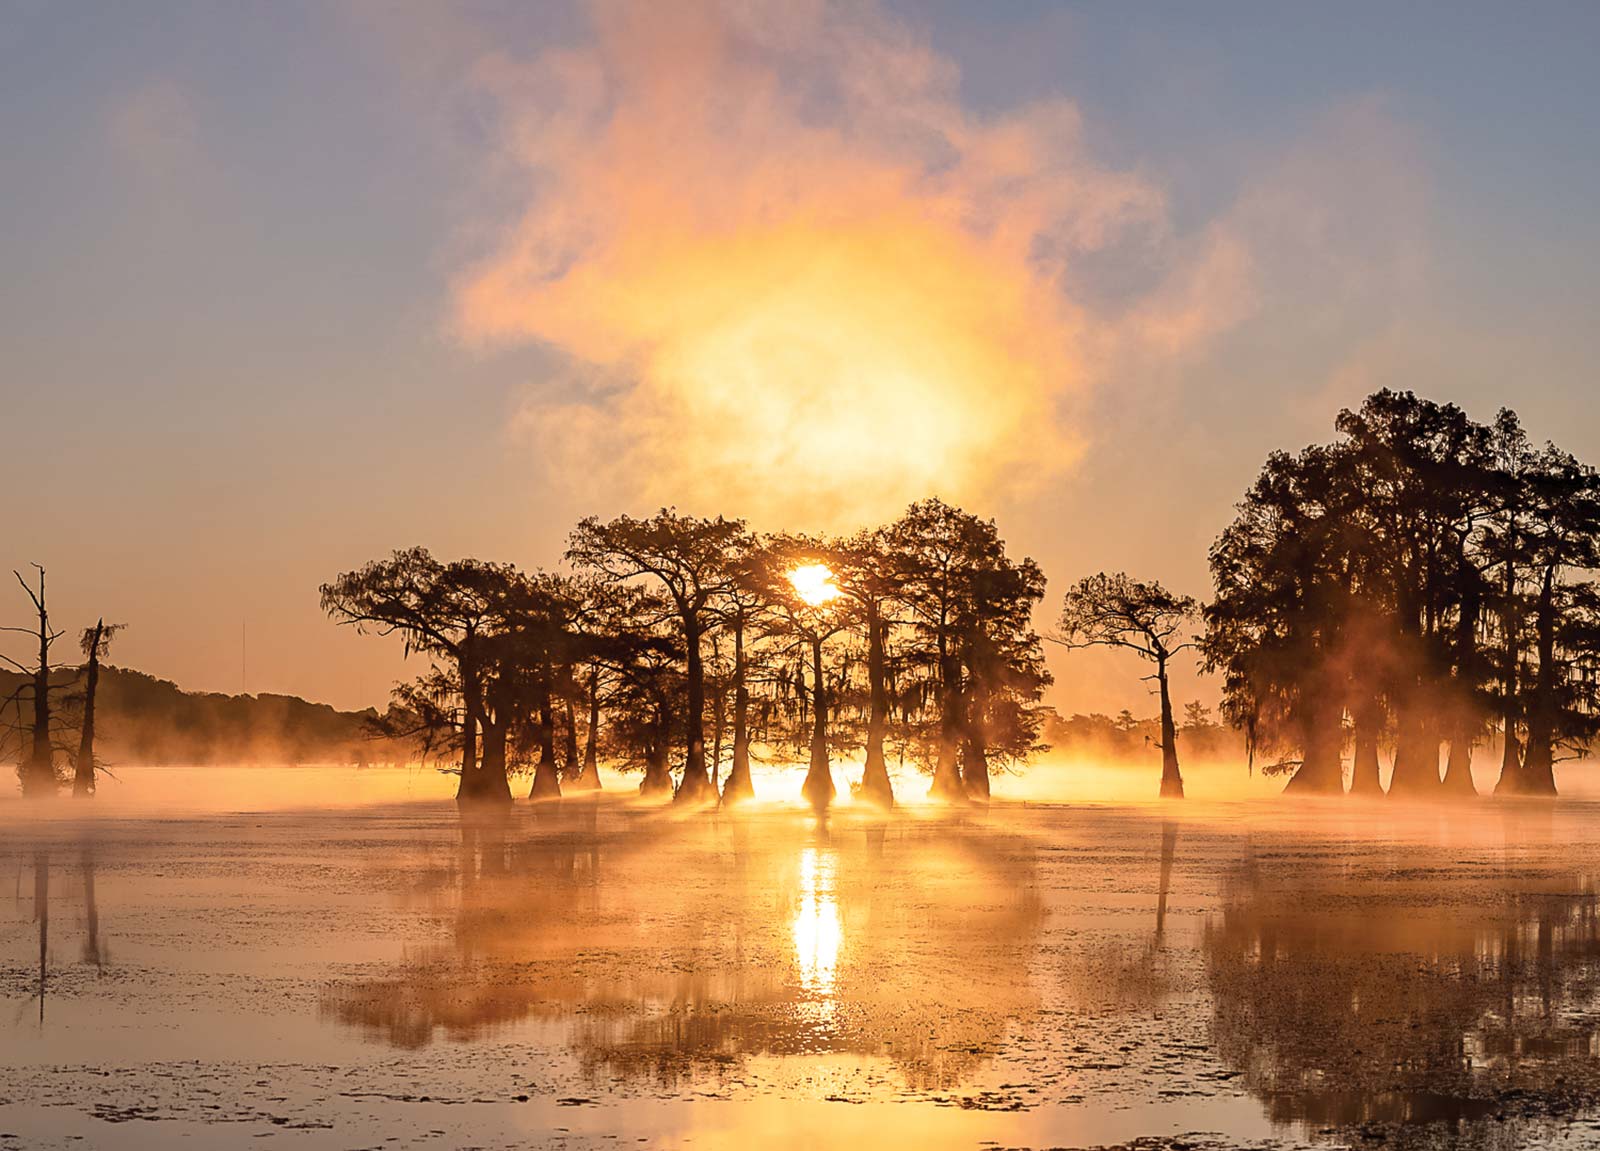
x=814, y=584
x=817, y=929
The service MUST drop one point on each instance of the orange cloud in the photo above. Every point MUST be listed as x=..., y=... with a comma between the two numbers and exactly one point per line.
x=826, y=287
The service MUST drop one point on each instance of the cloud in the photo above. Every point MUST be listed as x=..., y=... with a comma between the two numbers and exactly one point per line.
x=816, y=285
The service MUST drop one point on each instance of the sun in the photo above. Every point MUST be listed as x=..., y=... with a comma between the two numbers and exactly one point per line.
x=814, y=584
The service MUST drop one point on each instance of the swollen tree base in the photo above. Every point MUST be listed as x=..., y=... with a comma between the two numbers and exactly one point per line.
x=876, y=787
x=587, y=779
x=818, y=787
x=947, y=786
x=695, y=788
x=546, y=783
x=1364, y=780
x=1317, y=775
x=1458, y=774
x=657, y=782
x=1416, y=767
x=739, y=788
x=476, y=793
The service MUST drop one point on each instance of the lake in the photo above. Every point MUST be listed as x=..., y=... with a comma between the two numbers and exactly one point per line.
x=600, y=974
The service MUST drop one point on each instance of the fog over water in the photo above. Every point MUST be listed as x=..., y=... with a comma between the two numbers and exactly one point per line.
x=594, y=972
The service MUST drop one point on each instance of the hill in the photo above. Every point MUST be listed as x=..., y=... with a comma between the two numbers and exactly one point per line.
x=144, y=720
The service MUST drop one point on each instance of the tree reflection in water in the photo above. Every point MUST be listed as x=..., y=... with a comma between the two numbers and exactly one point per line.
x=93, y=948
x=1400, y=995
x=670, y=950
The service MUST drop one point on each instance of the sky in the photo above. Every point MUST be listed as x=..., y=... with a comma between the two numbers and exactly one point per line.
x=289, y=286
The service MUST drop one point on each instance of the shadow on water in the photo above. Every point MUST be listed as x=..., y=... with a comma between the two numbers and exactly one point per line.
x=670, y=950
x=1398, y=993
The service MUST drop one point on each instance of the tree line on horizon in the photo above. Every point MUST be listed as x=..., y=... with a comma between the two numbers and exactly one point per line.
x=1423, y=584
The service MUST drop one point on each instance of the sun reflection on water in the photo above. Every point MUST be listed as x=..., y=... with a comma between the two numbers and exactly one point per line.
x=816, y=925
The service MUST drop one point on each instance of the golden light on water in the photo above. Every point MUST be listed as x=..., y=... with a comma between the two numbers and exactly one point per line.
x=814, y=584
x=817, y=929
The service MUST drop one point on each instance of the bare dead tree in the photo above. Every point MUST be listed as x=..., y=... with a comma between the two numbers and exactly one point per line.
x=37, y=770
x=95, y=644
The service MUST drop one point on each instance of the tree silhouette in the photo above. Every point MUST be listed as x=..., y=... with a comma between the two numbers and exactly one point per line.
x=687, y=558
x=1284, y=590
x=1564, y=539
x=969, y=609
x=447, y=612
x=799, y=583
x=1415, y=581
x=95, y=643
x=868, y=575
x=37, y=771
x=743, y=608
x=1121, y=612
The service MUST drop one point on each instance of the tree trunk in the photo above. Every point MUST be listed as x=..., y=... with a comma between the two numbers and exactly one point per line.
x=657, y=777
x=1538, y=769
x=1171, y=779
x=818, y=787
x=546, y=777
x=947, y=771
x=488, y=781
x=975, y=767
x=1510, y=781
x=1364, y=779
x=83, y=768
x=38, y=770
x=471, y=789
x=875, y=784
x=589, y=776
x=495, y=732
x=717, y=718
x=975, y=746
x=695, y=787
x=571, y=767
x=1321, y=772
x=1416, y=755
x=740, y=786
x=1458, y=767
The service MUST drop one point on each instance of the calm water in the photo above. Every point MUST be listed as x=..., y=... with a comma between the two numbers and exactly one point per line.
x=604, y=975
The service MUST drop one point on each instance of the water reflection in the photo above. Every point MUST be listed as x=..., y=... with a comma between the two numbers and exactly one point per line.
x=93, y=952
x=41, y=862
x=1169, y=852
x=816, y=924
x=711, y=941
x=598, y=950
x=1396, y=995
x=41, y=915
